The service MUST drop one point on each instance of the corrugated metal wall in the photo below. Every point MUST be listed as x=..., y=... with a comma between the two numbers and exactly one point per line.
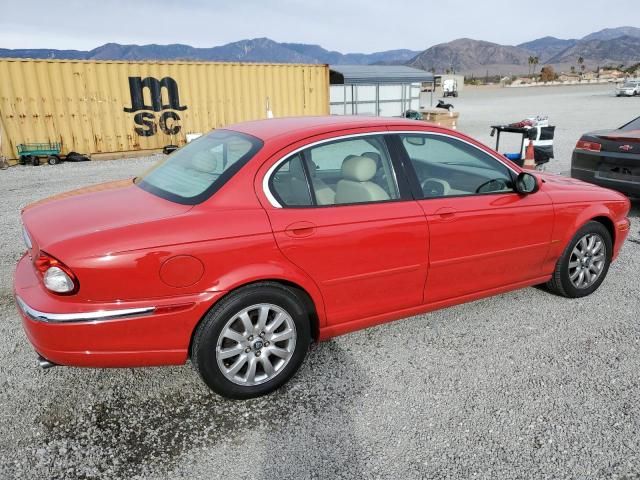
x=96, y=107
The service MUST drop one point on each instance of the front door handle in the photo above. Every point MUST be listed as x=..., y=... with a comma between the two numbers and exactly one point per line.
x=300, y=229
x=446, y=213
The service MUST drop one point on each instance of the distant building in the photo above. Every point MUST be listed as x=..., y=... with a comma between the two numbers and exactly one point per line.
x=589, y=76
x=612, y=75
x=522, y=81
x=379, y=90
x=569, y=77
x=615, y=74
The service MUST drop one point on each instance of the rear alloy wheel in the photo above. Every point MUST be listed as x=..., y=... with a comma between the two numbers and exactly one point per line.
x=585, y=262
x=252, y=342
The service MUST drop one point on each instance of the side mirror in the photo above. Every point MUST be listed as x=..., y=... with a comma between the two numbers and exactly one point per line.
x=526, y=183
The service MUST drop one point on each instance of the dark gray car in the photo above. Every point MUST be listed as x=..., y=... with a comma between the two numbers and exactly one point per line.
x=610, y=158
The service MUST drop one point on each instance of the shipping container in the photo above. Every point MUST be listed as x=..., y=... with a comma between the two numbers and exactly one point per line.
x=115, y=106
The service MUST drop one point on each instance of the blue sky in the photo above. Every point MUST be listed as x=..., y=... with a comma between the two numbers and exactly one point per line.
x=346, y=25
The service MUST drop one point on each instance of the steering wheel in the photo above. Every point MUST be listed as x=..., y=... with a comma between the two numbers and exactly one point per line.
x=434, y=187
x=493, y=185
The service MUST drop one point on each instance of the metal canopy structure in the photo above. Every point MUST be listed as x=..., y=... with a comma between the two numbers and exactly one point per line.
x=371, y=74
x=379, y=90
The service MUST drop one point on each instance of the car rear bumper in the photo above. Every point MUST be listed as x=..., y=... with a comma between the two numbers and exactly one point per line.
x=619, y=172
x=117, y=334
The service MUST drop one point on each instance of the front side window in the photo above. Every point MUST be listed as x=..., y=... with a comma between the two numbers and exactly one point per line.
x=353, y=170
x=196, y=171
x=446, y=166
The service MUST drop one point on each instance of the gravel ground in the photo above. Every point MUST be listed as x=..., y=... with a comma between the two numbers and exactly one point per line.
x=522, y=385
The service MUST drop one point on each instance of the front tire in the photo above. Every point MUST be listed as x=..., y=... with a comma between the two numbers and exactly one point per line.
x=584, y=263
x=252, y=342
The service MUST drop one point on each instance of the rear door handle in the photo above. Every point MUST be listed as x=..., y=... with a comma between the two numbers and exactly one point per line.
x=300, y=229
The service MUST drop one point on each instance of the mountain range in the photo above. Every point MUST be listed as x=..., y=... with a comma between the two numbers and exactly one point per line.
x=611, y=46
x=253, y=50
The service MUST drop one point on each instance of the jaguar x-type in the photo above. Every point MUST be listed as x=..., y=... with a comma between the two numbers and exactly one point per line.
x=243, y=246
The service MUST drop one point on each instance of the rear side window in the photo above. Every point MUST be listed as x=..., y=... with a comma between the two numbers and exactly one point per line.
x=196, y=171
x=289, y=183
x=354, y=170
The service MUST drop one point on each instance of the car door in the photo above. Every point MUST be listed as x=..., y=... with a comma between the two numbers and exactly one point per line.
x=483, y=235
x=338, y=212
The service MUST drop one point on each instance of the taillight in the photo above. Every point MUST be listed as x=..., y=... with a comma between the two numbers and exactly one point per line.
x=56, y=276
x=587, y=145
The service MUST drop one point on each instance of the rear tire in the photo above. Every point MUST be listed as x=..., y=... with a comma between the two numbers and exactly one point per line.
x=584, y=263
x=53, y=160
x=35, y=161
x=252, y=342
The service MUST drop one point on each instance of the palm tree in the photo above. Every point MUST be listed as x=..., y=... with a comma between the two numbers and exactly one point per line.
x=581, y=63
x=530, y=63
x=535, y=62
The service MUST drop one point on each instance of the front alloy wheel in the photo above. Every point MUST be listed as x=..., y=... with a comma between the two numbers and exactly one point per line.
x=584, y=263
x=587, y=260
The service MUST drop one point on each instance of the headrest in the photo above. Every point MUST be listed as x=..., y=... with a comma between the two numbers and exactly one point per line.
x=375, y=156
x=295, y=168
x=358, y=169
x=205, y=161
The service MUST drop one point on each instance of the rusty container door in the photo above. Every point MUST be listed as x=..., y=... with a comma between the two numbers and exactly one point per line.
x=107, y=107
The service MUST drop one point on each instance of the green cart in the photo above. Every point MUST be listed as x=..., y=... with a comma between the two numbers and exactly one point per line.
x=31, y=153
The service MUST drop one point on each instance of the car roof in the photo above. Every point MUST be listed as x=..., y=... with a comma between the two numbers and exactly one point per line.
x=300, y=127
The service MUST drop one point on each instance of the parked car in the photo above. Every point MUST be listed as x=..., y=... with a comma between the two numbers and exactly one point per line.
x=610, y=158
x=629, y=88
x=243, y=246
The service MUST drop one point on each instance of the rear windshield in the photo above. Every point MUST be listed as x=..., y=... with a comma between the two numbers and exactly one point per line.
x=196, y=171
x=632, y=125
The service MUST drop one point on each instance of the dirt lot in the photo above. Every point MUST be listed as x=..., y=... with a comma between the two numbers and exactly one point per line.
x=523, y=385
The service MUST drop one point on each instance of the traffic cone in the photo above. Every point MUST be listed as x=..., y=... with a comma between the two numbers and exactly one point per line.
x=529, y=157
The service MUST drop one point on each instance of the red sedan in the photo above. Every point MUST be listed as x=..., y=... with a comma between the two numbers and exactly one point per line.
x=246, y=244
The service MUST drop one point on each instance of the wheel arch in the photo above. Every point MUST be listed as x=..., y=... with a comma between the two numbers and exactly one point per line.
x=608, y=224
x=568, y=223
x=593, y=213
x=314, y=311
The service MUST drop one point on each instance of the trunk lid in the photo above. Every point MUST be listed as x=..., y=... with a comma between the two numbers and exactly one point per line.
x=93, y=209
x=619, y=141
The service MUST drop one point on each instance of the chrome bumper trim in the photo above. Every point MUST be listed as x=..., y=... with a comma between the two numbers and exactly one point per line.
x=95, y=315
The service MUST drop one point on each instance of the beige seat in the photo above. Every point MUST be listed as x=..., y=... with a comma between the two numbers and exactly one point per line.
x=324, y=194
x=356, y=185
